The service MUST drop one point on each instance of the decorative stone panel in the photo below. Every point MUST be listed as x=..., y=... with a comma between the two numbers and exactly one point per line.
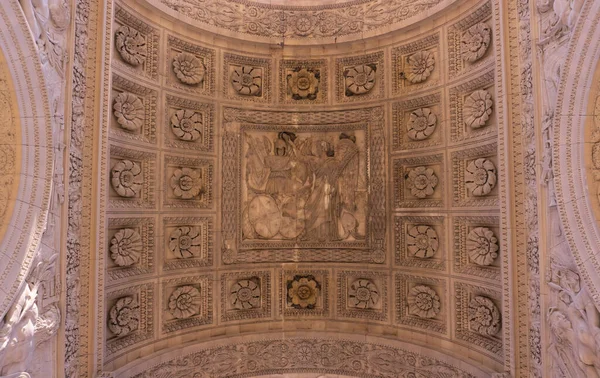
x=189, y=124
x=429, y=314
x=144, y=162
x=143, y=251
x=304, y=293
x=188, y=183
x=245, y=295
x=360, y=78
x=416, y=65
x=201, y=76
x=413, y=190
x=475, y=159
x=420, y=242
x=463, y=333
x=468, y=118
x=141, y=314
x=303, y=82
x=247, y=78
x=362, y=295
x=188, y=242
x=418, y=123
x=199, y=313
x=133, y=111
x=148, y=42
x=469, y=227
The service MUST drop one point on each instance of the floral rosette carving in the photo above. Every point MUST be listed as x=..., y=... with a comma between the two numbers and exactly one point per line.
x=123, y=317
x=186, y=183
x=184, y=302
x=422, y=241
x=129, y=110
x=421, y=124
x=247, y=80
x=186, y=242
x=477, y=108
x=421, y=181
x=475, y=42
x=423, y=302
x=187, y=125
x=360, y=79
x=126, y=178
x=420, y=66
x=188, y=68
x=126, y=247
x=482, y=246
x=480, y=177
x=303, y=292
x=245, y=294
x=131, y=45
x=484, y=316
x=303, y=84
x=363, y=294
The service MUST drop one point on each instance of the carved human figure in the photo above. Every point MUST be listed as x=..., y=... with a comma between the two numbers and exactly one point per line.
x=567, y=11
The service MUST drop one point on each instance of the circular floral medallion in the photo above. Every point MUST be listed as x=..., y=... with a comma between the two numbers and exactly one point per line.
x=359, y=79
x=186, y=183
x=476, y=41
x=303, y=292
x=421, y=181
x=303, y=84
x=423, y=302
x=184, y=302
x=245, y=294
x=188, y=68
x=420, y=66
x=363, y=293
x=126, y=247
x=422, y=241
x=477, y=108
x=129, y=110
x=186, y=242
x=484, y=317
x=126, y=178
x=421, y=124
x=303, y=25
x=482, y=246
x=123, y=317
x=131, y=45
x=247, y=80
x=187, y=125
x=480, y=177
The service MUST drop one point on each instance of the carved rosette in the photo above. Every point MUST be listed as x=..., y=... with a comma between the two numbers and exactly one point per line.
x=185, y=242
x=360, y=79
x=186, y=183
x=126, y=178
x=129, y=110
x=303, y=292
x=187, y=125
x=421, y=181
x=184, y=302
x=188, y=68
x=245, y=294
x=303, y=84
x=482, y=246
x=421, y=124
x=131, y=45
x=420, y=66
x=123, y=317
x=363, y=294
x=484, y=316
x=247, y=80
x=126, y=247
x=475, y=42
x=422, y=241
x=480, y=177
x=477, y=108
x=423, y=302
